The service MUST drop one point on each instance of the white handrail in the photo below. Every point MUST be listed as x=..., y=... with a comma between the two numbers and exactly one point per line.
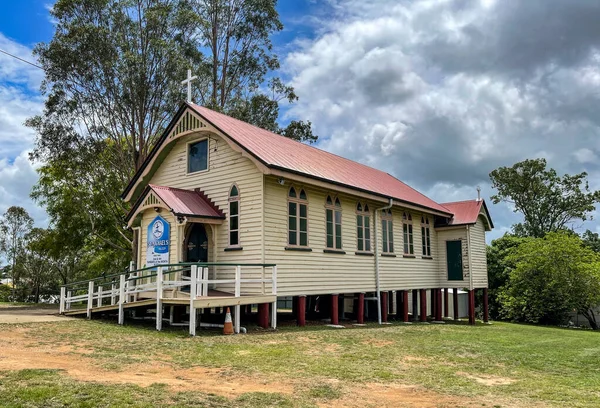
x=132, y=283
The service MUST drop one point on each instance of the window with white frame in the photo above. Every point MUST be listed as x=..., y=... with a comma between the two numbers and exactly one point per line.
x=297, y=217
x=197, y=156
x=387, y=231
x=407, y=229
x=234, y=216
x=425, y=236
x=363, y=228
x=333, y=220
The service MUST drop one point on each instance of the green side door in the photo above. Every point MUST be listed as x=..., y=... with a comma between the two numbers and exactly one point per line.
x=454, y=259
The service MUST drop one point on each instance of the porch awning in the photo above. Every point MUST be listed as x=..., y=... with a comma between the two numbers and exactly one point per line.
x=185, y=203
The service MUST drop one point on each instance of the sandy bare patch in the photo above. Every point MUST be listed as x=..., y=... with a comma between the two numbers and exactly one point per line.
x=397, y=395
x=378, y=342
x=489, y=380
x=18, y=354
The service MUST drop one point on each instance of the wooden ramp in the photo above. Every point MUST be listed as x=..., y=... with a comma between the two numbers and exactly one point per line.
x=215, y=299
x=181, y=284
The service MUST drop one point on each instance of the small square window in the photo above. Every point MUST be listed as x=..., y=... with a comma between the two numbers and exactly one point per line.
x=198, y=156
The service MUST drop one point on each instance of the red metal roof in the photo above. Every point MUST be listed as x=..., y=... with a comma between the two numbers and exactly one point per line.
x=286, y=154
x=465, y=212
x=186, y=202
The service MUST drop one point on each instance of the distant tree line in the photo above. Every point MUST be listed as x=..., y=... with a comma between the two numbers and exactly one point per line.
x=36, y=264
x=543, y=271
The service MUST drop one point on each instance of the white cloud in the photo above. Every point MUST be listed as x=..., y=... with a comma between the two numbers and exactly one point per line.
x=19, y=100
x=17, y=179
x=585, y=155
x=440, y=92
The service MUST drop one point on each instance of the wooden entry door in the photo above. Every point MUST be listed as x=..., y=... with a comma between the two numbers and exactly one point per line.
x=454, y=260
x=197, y=244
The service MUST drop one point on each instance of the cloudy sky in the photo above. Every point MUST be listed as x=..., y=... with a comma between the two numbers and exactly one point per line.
x=436, y=92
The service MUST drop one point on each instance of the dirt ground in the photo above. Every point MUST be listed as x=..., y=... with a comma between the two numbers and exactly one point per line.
x=20, y=351
x=24, y=314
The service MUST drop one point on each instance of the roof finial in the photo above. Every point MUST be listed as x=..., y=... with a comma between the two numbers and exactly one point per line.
x=478, y=193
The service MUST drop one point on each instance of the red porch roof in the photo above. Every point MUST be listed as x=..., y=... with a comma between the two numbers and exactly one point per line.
x=187, y=202
x=180, y=202
x=467, y=212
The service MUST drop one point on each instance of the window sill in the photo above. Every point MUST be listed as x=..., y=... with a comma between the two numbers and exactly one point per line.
x=364, y=253
x=389, y=255
x=233, y=248
x=298, y=248
x=194, y=173
x=334, y=251
x=426, y=257
x=408, y=256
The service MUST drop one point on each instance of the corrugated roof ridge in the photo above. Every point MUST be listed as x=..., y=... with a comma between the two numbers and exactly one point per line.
x=170, y=188
x=461, y=201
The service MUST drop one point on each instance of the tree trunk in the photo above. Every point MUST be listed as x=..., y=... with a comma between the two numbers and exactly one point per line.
x=591, y=317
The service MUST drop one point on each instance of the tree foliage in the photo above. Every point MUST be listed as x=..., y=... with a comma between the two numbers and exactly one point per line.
x=547, y=201
x=552, y=277
x=499, y=265
x=113, y=71
x=14, y=225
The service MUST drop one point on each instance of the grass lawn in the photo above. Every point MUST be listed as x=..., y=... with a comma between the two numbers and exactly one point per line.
x=429, y=365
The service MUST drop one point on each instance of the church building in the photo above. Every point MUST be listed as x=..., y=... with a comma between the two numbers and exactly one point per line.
x=345, y=238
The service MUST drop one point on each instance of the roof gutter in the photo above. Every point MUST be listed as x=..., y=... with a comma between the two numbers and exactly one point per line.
x=377, y=281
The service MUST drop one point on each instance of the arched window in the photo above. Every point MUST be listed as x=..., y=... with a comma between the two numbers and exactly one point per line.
x=407, y=229
x=387, y=231
x=333, y=217
x=297, y=218
x=234, y=216
x=363, y=228
x=425, y=236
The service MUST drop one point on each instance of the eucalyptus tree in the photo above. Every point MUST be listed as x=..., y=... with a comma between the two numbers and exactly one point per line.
x=113, y=72
x=548, y=202
x=14, y=225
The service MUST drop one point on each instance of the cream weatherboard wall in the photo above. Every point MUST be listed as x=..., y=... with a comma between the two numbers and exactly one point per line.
x=317, y=272
x=225, y=167
x=478, y=254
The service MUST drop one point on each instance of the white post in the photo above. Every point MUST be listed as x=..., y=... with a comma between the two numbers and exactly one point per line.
x=237, y=319
x=113, y=295
x=61, y=307
x=121, y=298
x=68, y=304
x=131, y=269
x=274, y=278
x=159, y=296
x=205, y=278
x=193, y=288
x=99, y=301
x=238, y=277
x=263, y=280
x=274, y=315
x=90, y=299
